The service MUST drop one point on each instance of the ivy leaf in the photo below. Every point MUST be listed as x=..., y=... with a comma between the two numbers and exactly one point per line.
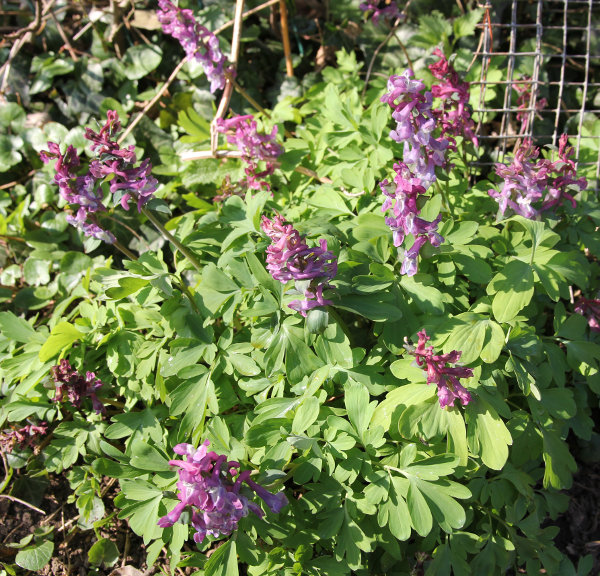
x=35, y=557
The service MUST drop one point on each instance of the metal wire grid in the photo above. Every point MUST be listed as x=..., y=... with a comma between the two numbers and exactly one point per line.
x=524, y=34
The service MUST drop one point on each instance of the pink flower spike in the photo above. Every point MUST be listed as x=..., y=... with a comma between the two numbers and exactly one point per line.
x=439, y=373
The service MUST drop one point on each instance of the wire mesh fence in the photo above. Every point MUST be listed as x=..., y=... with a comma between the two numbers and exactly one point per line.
x=549, y=54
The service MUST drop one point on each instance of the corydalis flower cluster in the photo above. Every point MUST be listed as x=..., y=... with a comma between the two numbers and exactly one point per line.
x=402, y=198
x=74, y=386
x=242, y=132
x=290, y=258
x=524, y=90
x=387, y=9
x=454, y=115
x=210, y=487
x=423, y=151
x=590, y=308
x=24, y=437
x=532, y=184
x=444, y=377
x=197, y=41
x=127, y=181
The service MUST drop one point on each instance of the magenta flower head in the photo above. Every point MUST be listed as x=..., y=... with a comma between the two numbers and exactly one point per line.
x=25, y=437
x=590, y=308
x=387, y=9
x=402, y=201
x=533, y=185
x=290, y=258
x=453, y=114
x=444, y=377
x=242, y=132
x=75, y=387
x=128, y=181
x=415, y=126
x=525, y=91
x=197, y=41
x=212, y=489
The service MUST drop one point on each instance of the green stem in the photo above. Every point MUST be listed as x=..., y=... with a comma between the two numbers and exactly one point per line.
x=9, y=473
x=124, y=250
x=191, y=258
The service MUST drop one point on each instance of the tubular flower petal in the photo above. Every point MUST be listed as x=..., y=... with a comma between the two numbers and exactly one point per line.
x=197, y=41
x=211, y=487
x=242, y=132
x=444, y=377
x=70, y=383
x=533, y=185
x=290, y=258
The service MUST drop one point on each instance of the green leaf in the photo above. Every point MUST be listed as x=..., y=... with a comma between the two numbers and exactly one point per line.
x=18, y=329
x=420, y=514
x=36, y=272
x=146, y=457
x=306, y=414
x=400, y=398
x=127, y=286
x=105, y=552
x=35, y=557
x=560, y=464
x=513, y=289
x=466, y=24
x=356, y=399
x=376, y=307
x=61, y=337
x=141, y=60
x=487, y=434
x=223, y=562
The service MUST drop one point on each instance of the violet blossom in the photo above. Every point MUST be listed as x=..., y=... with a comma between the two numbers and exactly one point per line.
x=197, y=41
x=533, y=185
x=454, y=115
x=415, y=126
x=387, y=9
x=524, y=89
x=211, y=488
x=444, y=377
x=127, y=180
x=70, y=383
x=402, y=199
x=242, y=132
x=290, y=258
x=80, y=190
x=590, y=308
x=423, y=151
x=24, y=437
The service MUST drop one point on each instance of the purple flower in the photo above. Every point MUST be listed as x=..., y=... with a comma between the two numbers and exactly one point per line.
x=70, y=383
x=454, y=115
x=590, y=307
x=242, y=132
x=290, y=258
x=24, y=437
x=402, y=200
x=387, y=9
x=444, y=377
x=211, y=487
x=111, y=161
x=197, y=41
x=532, y=185
x=415, y=126
x=118, y=163
x=82, y=190
x=524, y=89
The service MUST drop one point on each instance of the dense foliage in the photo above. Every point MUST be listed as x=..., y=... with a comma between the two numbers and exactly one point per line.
x=335, y=345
